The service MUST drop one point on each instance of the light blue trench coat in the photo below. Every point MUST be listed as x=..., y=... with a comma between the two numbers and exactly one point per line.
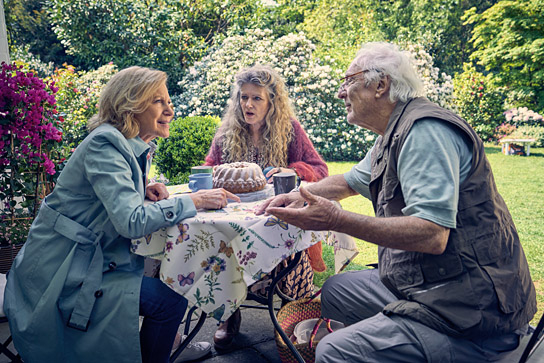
x=73, y=291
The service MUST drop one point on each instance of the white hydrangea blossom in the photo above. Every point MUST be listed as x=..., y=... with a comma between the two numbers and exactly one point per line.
x=438, y=86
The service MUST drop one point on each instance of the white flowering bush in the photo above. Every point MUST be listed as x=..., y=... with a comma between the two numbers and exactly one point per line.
x=438, y=85
x=522, y=116
x=22, y=55
x=313, y=85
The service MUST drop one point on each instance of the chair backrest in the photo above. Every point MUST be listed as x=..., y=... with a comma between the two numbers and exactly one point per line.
x=536, y=338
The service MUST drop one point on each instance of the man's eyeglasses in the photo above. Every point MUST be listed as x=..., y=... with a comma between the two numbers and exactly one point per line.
x=349, y=80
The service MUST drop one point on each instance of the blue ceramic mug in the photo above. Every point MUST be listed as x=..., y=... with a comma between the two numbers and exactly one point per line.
x=200, y=181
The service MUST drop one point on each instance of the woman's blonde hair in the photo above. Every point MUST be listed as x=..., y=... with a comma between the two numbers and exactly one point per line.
x=277, y=129
x=129, y=92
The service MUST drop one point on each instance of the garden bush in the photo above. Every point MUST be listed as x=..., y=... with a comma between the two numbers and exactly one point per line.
x=529, y=132
x=28, y=132
x=478, y=101
x=23, y=56
x=503, y=130
x=438, y=86
x=522, y=116
x=77, y=101
x=525, y=123
x=522, y=123
x=188, y=144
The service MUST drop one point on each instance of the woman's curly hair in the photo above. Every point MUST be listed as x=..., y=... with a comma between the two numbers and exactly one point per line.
x=277, y=129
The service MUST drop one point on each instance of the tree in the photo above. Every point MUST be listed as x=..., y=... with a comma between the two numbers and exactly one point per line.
x=341, y=26
x=509, y=42
x=28, y=25
x=164, y=34
x=338, y=27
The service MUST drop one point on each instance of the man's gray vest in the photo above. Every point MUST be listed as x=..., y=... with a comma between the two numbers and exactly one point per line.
x=480, y=285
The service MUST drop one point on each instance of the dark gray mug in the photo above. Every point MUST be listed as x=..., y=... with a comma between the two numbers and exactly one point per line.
x=284, y=182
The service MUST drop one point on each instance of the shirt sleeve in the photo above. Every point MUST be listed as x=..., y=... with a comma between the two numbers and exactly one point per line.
x=435, y=158
x=358, y=178
x=112, y=179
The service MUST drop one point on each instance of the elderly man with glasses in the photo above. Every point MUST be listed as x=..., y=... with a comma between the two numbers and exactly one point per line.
x=452, y=283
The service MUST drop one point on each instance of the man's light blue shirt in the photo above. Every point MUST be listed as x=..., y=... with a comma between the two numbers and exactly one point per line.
x=435, y=158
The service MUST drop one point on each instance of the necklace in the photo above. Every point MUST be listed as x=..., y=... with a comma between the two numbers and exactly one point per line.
x=255, y=156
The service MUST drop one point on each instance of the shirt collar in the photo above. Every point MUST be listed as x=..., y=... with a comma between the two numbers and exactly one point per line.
x=138, y=146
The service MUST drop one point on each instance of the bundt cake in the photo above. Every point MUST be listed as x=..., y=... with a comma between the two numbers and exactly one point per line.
x=239, y=177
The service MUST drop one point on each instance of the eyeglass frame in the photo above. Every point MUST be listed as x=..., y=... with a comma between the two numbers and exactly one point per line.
x=345, y=78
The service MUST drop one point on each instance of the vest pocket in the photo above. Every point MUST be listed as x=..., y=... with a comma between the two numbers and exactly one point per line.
x=497, y=262
x=442, y=267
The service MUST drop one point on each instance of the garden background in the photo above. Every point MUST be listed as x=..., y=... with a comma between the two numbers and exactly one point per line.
x=482, y=59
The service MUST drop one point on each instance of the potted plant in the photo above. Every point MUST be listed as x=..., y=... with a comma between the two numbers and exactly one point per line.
x=28, y=137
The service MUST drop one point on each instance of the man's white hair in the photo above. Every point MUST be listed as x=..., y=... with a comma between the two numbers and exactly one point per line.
x=385, y=59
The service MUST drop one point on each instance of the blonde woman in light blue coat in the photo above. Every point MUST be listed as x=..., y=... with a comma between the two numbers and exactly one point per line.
x=75, y=290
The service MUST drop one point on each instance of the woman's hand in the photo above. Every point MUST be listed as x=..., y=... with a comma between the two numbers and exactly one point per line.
x=212, y=198
x=156, y=192
x=271, y=171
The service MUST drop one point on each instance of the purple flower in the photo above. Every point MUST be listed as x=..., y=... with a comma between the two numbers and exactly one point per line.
x=289, y=243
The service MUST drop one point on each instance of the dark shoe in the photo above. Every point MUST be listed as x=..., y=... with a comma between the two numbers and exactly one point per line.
x=224, y=335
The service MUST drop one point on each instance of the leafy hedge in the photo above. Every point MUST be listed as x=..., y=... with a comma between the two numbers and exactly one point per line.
x=188, y=144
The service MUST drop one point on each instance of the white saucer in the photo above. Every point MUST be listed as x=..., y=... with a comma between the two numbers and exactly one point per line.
x=265, y=193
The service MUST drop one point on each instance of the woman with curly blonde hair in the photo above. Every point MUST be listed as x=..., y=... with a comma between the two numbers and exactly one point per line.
x=259, y=126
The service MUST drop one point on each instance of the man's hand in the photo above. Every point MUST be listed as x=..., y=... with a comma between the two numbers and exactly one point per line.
x=318, y=215
x=156, y=192
x=289, y=200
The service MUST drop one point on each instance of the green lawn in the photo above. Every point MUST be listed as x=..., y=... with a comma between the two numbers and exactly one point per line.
x=520, y=180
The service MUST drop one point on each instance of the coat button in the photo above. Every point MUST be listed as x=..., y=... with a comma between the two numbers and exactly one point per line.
x=410, y=280
x=441, y=271
x=98, y=293
x=169, y=214
x=112, y=266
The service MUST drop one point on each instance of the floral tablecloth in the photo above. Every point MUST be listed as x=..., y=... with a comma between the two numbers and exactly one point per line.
x=214, y=256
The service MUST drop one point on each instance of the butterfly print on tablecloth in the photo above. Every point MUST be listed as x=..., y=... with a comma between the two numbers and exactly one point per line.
x=275, y=221
x=189, y=280
x=226, y=250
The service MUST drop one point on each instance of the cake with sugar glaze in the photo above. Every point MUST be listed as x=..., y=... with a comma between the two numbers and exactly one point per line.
x=239, y=177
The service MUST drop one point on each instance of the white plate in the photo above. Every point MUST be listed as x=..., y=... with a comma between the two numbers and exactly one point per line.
x=265, y=193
